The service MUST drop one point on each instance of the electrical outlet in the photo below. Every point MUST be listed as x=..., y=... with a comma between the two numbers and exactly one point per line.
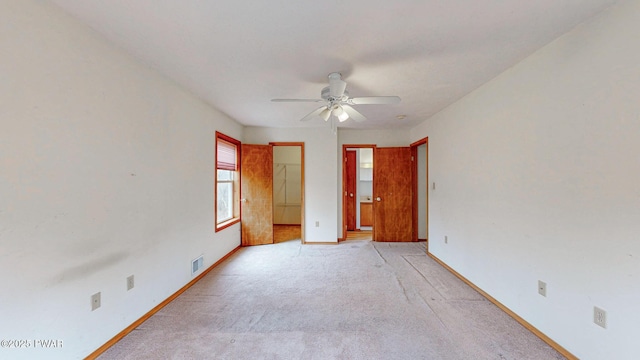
x=446, y=239
x=317, y=223
x=600, y=317
x=130, y=283
x=542, y=288
x=95, y=301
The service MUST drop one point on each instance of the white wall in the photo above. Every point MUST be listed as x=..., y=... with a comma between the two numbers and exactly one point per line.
x=320, y=162
x=382, y=138
x=538, y=177
x=106, y=171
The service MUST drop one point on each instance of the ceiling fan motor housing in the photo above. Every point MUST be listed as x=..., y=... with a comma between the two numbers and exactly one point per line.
x=326, y=95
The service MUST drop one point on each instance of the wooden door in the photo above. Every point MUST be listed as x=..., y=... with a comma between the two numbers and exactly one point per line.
x=257, y=194
x=350, y=189
x=393, y=195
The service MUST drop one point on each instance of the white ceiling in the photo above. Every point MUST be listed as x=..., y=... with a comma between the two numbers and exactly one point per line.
x=237, y=55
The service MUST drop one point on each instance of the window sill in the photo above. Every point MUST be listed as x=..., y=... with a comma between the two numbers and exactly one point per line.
x=225, y=224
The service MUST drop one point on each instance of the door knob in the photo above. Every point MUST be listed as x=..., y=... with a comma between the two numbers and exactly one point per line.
x=378, y=198
x=351, y=194
x=243, y=200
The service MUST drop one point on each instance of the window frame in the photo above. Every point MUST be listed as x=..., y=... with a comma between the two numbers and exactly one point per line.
x=235, y=218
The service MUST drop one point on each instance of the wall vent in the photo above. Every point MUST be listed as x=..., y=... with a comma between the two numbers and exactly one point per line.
x=196, y=265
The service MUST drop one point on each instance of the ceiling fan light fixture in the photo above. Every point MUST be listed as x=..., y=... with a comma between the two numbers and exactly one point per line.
x=325, y=114
x=339, y=112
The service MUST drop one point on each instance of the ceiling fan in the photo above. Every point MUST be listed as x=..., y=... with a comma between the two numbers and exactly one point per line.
x=338, y=103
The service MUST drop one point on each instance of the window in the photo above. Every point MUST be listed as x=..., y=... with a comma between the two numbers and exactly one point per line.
x=227, y=181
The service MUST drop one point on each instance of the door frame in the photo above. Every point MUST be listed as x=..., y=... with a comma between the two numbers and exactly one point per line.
x=301, y=145
x=414, y=182
x=344, y=180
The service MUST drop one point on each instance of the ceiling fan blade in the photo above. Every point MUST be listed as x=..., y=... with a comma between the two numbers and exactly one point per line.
x=373, y=100
x=297, y=100
x=314, y=113
x=353, y=113
x=336, y=85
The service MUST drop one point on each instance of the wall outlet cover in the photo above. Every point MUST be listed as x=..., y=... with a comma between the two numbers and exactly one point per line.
x=600, y=317
x=542, y=288
x=95, y=301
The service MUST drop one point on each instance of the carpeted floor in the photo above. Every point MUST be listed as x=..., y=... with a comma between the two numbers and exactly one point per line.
x=354, y=300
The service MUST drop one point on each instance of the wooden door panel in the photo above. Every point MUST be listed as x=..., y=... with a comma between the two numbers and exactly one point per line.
x=392, y=176
x=350, y=189
x=257, y=194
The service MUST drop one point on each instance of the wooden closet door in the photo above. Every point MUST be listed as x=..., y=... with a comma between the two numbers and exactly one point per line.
x=257, y=194
x=392, y=189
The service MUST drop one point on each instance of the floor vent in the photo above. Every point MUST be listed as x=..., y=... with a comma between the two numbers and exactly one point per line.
x=196, y=265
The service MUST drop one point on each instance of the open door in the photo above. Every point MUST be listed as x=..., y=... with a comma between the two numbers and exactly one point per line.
x=393, y=194
x=357, y=175
x=350, y=189
x=256, y=174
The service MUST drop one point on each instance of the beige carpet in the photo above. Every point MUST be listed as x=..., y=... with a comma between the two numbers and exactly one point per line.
x=355, y=300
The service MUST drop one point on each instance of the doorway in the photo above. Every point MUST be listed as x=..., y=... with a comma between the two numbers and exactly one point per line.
x=272, y=193
x=288, y=192
x=394, y=191
x=420, y=152
x=358, y=192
